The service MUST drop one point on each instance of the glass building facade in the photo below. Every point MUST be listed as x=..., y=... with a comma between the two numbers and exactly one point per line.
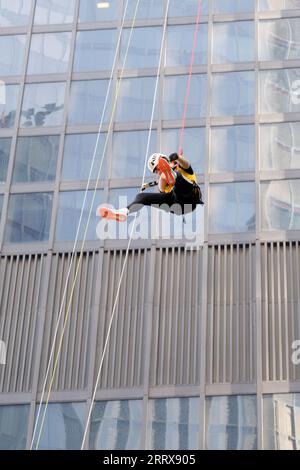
x=242, y=137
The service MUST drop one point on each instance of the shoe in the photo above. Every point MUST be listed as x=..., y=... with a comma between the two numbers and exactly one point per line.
x=119, y=215
x=164, y=167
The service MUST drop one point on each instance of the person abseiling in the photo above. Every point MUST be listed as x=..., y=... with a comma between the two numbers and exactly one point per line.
x=179, y=191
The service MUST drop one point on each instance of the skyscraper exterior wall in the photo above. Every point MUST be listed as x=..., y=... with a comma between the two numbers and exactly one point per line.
x=204, y=344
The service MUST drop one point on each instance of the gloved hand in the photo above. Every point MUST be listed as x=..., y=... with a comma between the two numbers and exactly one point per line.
x=173, y=157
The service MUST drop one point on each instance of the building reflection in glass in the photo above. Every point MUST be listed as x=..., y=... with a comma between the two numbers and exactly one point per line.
x=231, y=423
x=282, y=422
x=280, y=205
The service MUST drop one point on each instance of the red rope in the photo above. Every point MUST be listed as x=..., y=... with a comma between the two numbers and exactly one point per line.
x=189, y=79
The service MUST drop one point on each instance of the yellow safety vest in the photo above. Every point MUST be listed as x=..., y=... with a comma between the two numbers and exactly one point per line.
x=192, y=178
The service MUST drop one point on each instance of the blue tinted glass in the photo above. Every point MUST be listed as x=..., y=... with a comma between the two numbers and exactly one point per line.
x=173, y=423
x=278, y=39
x=231, y=423
x=180, y=41
x=116, y=425
x=280, y=146
x=94, y=50
x=233, y=94
x=129, y=153
x=278, y=4
x=5, y=145
x=232, y=148
x=63, y=427
x=28, y=218
x=54, y=12
x=187, y=7
x=232, y=207
x=14, y=13
x=233, y=42
x=49, y=53
x=43, y=104
x=13, y=426
x=146, y=9
x=174, y=97
x=69, y=210
x=280, y=91
x=91, y=10
x=78, y=156
x=144, y=47
x=12, y=54
x=87, y=101
x=8, y=104
x=280, y=202
x=194, y=145
x=136, y=99
x=233, y=6
x=36, y=159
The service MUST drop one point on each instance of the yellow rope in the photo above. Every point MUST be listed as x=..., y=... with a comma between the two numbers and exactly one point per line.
x=131, y=234
x=86, y=229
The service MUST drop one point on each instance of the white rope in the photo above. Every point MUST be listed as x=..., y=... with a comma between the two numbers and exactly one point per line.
x=130, y=238
x=81, y=215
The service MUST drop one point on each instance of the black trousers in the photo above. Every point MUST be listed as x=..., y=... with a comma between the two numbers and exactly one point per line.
x=181, y=200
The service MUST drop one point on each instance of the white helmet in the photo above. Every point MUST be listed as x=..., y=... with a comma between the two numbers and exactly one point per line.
x=153, y=160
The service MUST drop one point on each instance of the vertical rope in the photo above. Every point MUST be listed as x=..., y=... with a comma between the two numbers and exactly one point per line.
x=85, y=234
x=131, y=235
x=188, y=89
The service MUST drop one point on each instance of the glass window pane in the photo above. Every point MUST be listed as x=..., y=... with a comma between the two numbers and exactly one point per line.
x=281, y=419
x=36, y=159
x=233, y=93
x=78, y=156
x=146, y=9
x=54, y=12
x=90, y=10
x=232, y=207
x=13, y=426
x=87, y=101
x=12, y=54
x=278, y=4
x=8, y=104
x=280, y=91
x=187, y=8
x=194, y=145
x=174, y=97
x=116, y=425
x=280, y=204
x=28, y=218
x=233, y=6
x=280, y=146
x=5, y=145
x=232, y=149
x=173, y=423
x=14, y=13
x=231, y=423
x=63, y=428
x=144, y=48
x=94, y=50
x=69, y=210
x=136, y=99
x=129, y=153
x=43, y=104
x=279, y=39
x=49, y=53
x=180, y=41
x=233, y=42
